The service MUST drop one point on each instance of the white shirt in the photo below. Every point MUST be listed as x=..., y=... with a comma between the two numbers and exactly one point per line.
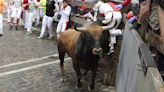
x=10, y=3
x=17, y=3
x=135, y=1
x=105, y=8
x=96, y=6
x=87, y=0
x=32, y=4
x=58, y=1
x=89, y=16
x=65, y=13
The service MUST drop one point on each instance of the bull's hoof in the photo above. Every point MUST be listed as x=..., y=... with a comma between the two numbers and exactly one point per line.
x=62, y=80
x=82, y=80
x=90, y=90
x=78, y=85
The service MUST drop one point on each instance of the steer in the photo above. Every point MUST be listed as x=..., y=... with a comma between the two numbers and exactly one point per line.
x=84, y=46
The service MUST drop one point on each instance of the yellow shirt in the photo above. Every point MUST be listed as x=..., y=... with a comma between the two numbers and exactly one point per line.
x=1, y=6
x=43, y=5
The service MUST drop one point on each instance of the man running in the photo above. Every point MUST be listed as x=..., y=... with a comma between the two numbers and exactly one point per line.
x=16, y=13
x=63, y=22
x=48, y=19
x=2, y=9
x=32, y=4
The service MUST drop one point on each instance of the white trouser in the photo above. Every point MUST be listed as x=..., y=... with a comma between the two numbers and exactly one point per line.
x=1, y=23
x=117, y=17
x=9, y=12
x=25, y=18
x=16, y=12
x=47, y=22
x=61, y=27
x=37, y=16
x=30, y=21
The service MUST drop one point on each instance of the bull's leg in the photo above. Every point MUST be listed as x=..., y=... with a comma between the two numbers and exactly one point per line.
x=61, y=57
x=84, y=75
x=94, y=72
x=78, y=73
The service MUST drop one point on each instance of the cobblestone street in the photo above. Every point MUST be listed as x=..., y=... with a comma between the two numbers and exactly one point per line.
x=29, y=64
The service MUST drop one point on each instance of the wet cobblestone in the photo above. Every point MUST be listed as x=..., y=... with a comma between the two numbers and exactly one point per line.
x=17, y=46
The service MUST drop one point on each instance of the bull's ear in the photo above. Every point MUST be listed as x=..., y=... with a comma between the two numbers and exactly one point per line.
x=77, y=28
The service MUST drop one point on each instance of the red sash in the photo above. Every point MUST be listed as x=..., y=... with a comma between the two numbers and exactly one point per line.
x=25, y=2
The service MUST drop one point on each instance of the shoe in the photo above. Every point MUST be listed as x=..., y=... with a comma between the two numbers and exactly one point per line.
x=40, y=37
x=136, y=26
x=1, y=34
x=16, y=28
x=29, y=32
x=111, y=51
x=10, y=28
x=50, y=37
x=46, y=34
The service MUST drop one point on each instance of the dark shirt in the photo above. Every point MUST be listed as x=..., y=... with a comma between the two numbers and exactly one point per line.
x=50, y=8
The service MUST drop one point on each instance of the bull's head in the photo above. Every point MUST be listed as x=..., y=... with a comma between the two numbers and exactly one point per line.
x=97, y=38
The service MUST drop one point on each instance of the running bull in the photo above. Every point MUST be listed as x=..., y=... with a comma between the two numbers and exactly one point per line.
x=84, y=45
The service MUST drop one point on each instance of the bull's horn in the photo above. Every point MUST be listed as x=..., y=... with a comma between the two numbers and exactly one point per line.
x=107, y=27
x=81, y=28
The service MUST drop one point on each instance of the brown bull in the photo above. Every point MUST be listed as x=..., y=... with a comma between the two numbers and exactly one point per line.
x=84, y=47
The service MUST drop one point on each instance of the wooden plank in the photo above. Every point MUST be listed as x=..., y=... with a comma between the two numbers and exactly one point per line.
x=153, y=82
x=80, y=20
x=90, y=4
x=155, y=40
x=161, y=20
x=79, y=3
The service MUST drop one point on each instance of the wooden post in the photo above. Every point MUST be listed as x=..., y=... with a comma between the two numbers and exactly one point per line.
x=161, y=21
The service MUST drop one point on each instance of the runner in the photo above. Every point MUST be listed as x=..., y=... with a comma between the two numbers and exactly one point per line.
x=111, y=17
x=63, y=22
x=25, y=14
x=48, y=19
x=16, y=13
x=9, y=10
x=2, y=9
x=32, y=4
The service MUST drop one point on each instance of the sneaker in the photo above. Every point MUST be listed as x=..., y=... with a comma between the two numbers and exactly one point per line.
x=10, y=28
x=111, y=51
x=16, y=28
x=50, y=37
x=136, y=26
x=40, y=37
x=1, y=34
x=29, y=32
